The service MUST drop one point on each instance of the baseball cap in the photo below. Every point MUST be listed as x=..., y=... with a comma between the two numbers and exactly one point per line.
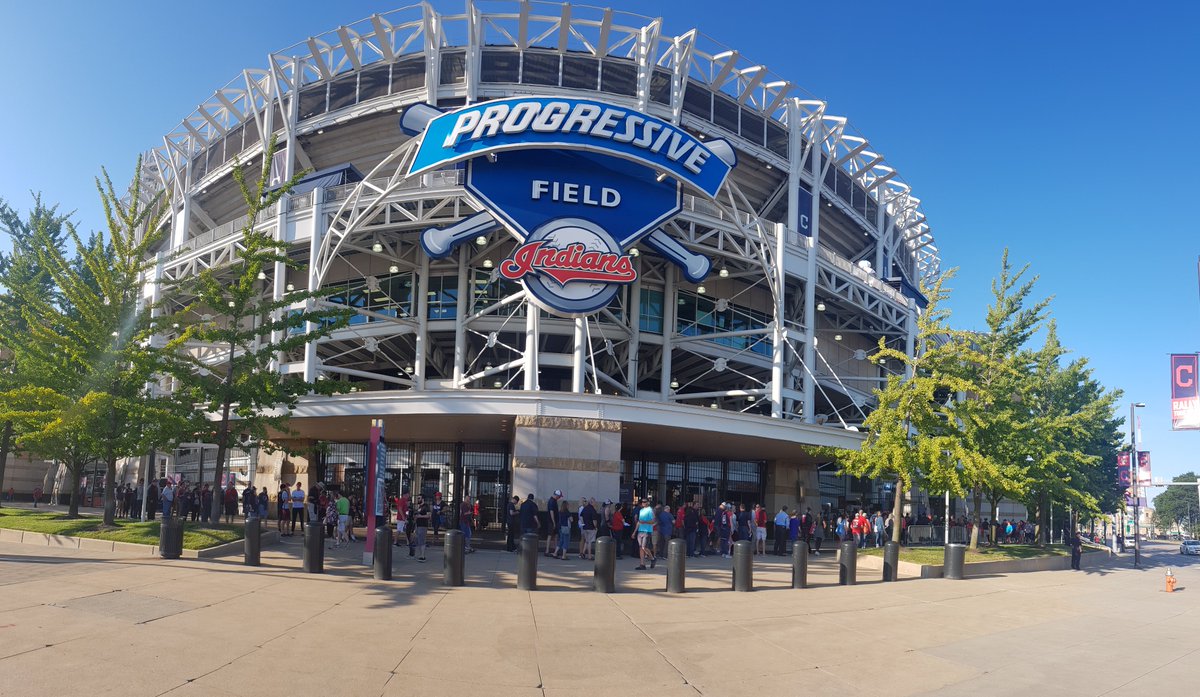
x=558, y=492
x=607, y=502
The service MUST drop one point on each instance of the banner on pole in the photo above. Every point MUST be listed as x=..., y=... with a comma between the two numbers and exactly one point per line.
x=1185, y=392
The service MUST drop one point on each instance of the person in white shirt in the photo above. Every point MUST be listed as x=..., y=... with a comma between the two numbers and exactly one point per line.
x=298, y=511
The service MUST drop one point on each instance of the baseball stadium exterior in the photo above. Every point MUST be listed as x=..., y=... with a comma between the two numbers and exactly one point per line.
x=719, y=255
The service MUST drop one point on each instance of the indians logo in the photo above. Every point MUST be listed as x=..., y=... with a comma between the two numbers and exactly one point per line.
x=577, y=182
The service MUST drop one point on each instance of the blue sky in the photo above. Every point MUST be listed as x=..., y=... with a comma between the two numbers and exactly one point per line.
x=1065, y=132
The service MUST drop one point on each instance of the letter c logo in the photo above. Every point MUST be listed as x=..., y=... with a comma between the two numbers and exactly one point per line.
x=1181, y=372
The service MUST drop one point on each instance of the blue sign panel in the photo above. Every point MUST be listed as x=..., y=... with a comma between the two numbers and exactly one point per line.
x=568, y=124
x=527, y=187
x=576, y=182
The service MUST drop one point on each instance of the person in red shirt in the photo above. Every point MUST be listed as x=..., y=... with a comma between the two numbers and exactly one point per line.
x=616, y=525
x=760, y=530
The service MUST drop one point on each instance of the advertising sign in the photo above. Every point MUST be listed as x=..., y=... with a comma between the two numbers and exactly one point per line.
x=374, y=498
x=577, y=182
x=1143, y=469
x=1185, y=392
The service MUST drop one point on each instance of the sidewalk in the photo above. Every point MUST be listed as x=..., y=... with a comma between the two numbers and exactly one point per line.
x=99, y=624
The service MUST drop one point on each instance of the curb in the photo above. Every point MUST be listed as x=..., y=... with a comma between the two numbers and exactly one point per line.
x=91, y=544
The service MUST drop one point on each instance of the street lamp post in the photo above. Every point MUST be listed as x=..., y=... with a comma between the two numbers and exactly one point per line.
x=1137, y=521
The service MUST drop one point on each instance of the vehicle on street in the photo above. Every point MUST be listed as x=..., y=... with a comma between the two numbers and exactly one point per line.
x=1189, y=547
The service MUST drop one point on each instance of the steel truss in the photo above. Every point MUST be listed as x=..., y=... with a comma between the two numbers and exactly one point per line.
x=499, y=337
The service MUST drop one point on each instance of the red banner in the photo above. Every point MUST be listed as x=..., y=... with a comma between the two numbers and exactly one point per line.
x=1185, y=391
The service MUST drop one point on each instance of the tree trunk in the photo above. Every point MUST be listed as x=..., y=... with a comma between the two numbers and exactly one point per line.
x=5, y=444
x=110, y=502
x=73, y=509
x=897, y=508
x=995, y=537
x=978, y=501
x=1043, y=536
x=222, y=443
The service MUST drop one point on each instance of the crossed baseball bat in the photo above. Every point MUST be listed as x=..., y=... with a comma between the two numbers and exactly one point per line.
x=440, y=241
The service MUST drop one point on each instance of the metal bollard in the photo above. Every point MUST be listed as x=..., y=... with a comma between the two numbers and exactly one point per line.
x=253, y=543
x=170, y=538
x=848, y=563
x=527, y=563
x=314, y=549
x=382, y=561
x=452, y=559
x=604, y=575
x=743, y=566
x=952, y=561
x=800, y=564
x=891, y=561
x=676, y=565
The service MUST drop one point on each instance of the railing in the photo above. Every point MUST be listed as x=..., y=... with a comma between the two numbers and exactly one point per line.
x=440, y=179
x=869, y=279
x=226, y=229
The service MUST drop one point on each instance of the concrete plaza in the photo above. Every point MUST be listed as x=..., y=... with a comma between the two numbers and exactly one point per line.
x=80, y=622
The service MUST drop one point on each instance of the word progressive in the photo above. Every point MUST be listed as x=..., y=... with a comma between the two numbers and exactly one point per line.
x=604, y=123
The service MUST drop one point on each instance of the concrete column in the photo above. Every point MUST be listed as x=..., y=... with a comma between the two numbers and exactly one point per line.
x=582, y=457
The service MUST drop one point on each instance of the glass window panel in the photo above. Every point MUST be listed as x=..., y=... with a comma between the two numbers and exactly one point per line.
x=233, y=142
x=540, y=68
x=697, y=100
x=725, y=113
x=660, y=87
x=651, y=311
x=312, y=101
x=408, y=74
x=343, y=92
x=250, y=133
x=777, y=138
x=619, y=78
x=500, y=66
x=752, y=127
x=580, y=72
x=454, y=67
x=373, y=82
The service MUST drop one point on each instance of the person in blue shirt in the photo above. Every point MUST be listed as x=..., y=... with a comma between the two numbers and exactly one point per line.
x=781, y=532
x=666, y=529
x=647, y=523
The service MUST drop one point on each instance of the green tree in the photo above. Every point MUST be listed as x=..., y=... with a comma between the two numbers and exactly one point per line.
x=22, y=275
x=232, y=311
x=991, y=419
x=89, y=350
x=913, y=435
x=1179, y=505
x=1070, y=434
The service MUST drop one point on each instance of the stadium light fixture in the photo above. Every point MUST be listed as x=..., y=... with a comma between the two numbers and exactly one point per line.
x=723, y=273
x=837, y=337
x=701, y=290
x=376, y=247
x=674, y=384
x=291, y=287
x=487, y=263
x=393, y=269
x=634, y=252
x=820, y=307
x=262, y=275
x=481, y=240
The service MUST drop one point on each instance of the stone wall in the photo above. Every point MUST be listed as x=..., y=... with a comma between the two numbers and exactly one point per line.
x=581, y=457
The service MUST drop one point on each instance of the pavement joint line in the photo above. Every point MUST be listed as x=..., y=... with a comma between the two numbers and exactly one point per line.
x=537, y=642
x=212, y=604
x=1156, y=668
x=41, y=648
x=653, y=643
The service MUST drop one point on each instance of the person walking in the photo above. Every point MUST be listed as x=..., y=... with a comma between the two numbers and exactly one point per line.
x=552, y=531
x=421, y=519
x=564, y=529
x=283, y=510
x=529, y=516
x=877, y=528
x=818, y=533
x=781, y=532
x=647, y=523
x=1076, y=549
x=298, y=512
x=616, y=528
x=435, y=513
x=587, y=524
x=724, y=528
x=466, y=515
x=760, y=530
x=513, y=522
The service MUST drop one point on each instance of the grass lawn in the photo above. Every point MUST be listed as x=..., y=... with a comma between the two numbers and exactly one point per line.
x=194, y=536
x=934, y=555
